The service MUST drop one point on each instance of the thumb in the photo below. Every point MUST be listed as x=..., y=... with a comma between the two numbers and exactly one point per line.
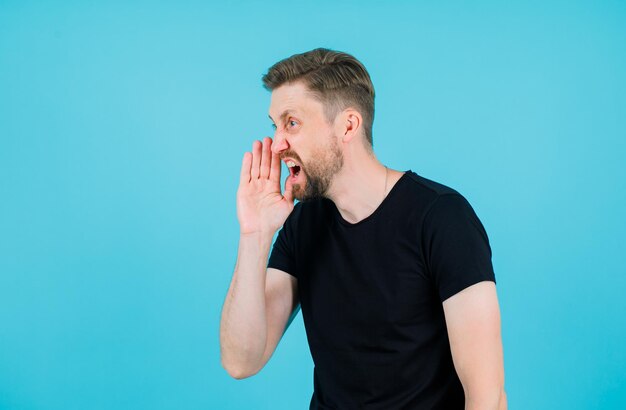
x=288, y=189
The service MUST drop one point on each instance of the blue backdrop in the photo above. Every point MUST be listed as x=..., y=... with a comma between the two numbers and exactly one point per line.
x=122, y=128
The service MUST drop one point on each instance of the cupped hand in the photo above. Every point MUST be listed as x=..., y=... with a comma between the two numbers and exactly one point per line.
x=261, y=208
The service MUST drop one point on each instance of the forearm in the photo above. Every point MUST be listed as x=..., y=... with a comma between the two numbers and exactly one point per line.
x=243, y=326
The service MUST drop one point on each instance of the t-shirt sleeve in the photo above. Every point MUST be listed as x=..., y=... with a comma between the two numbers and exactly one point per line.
x=456, y=247
x=282, y=255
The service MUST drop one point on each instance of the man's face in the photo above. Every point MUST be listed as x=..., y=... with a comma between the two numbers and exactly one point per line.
x=304, y=137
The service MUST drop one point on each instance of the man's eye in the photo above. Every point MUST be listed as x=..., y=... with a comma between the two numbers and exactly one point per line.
x=292, y=122
x=274, y=126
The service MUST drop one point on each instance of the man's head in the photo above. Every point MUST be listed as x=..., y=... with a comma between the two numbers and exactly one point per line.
x=318, y=96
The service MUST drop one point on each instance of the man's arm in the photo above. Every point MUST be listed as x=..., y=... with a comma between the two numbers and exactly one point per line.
x=282, y=304
x=243, y=326
x=473, y=322
x=261, y=210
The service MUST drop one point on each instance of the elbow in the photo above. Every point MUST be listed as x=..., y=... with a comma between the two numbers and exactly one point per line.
x=239, y=363
x=238, y=372
x=494, y=400
x=238, y=375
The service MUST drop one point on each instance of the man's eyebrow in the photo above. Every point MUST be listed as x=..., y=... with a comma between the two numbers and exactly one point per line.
x=283, y=115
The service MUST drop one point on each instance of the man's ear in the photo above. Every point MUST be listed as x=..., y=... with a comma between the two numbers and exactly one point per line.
x=349, y=124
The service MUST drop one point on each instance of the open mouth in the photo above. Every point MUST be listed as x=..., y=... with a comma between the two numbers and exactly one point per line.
x=294, y=169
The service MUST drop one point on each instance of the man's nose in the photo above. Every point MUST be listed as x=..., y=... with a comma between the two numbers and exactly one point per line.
x=280, y=144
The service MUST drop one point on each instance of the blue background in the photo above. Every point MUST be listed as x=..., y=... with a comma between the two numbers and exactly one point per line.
x=122, y=128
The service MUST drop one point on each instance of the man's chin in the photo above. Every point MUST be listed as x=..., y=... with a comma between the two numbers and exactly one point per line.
x=304, y=191
x=300, y=193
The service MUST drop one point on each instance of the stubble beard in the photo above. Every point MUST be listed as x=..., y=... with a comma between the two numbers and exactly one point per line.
x=319, y=173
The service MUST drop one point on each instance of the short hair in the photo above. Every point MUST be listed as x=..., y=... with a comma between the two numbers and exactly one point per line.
x=336, y=79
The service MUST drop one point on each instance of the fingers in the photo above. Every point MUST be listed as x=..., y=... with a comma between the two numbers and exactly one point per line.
x=256, y=159
x=275, y=168
x=246, y=162
x=262, y=163
x=266, y=158
x=288, y=190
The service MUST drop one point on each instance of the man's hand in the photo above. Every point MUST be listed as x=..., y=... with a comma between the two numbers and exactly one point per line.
x=261, y=208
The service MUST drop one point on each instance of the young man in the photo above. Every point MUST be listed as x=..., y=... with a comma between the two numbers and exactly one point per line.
x=392, y=270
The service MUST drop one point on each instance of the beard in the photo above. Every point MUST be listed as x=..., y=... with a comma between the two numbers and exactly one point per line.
x=319, y=173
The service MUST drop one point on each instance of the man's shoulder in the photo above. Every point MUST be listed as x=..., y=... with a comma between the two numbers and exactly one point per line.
x=441, y=203
x=420, y=193
x=430, y=187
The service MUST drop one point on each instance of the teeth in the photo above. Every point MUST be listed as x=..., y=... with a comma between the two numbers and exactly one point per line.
x=291, y=164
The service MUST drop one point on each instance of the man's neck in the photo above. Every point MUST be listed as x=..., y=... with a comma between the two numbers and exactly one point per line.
x=359, y=188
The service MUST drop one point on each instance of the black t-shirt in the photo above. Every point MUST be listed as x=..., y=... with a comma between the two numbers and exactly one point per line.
x=371, y=294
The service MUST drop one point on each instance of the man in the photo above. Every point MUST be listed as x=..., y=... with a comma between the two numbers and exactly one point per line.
x=392, y=270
